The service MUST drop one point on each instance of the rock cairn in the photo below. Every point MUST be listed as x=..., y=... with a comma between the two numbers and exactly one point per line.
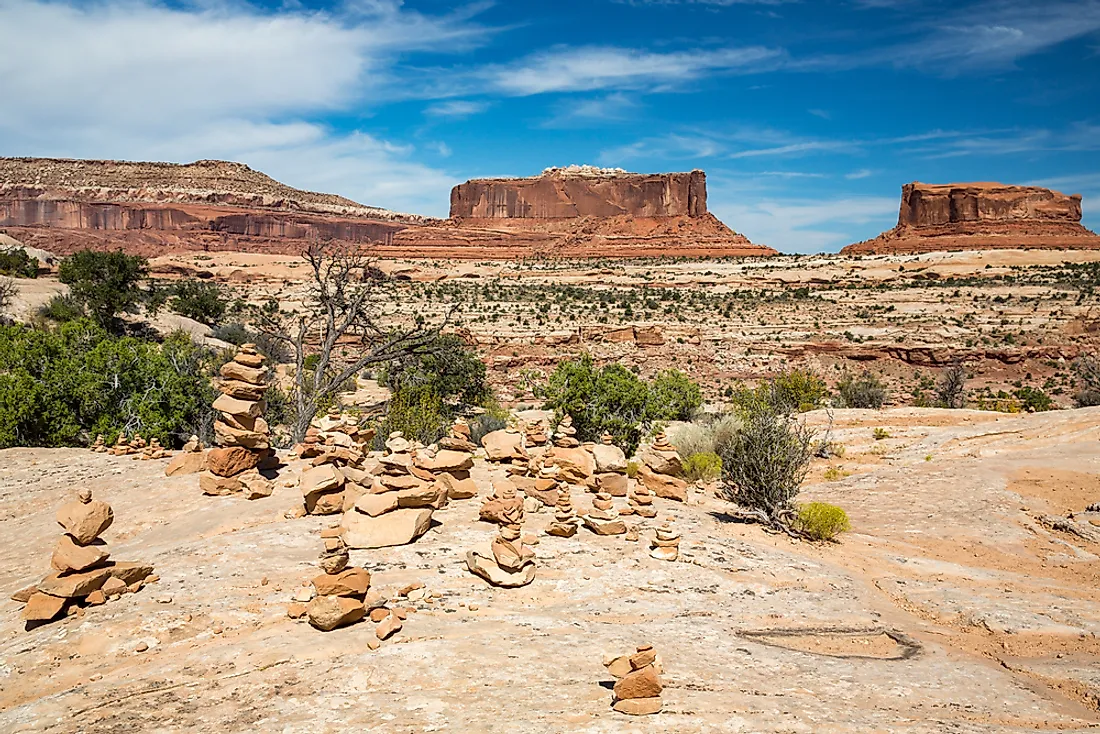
x=640, y=502
x=665, y=545
x=638, y=688
x=504, y=506
x=99, y=446
x=565, y=518
x=507, y=562
x=536, y=434
x=565, y=434
x=610, y=467
x=543, y=486
x=340, y=590
x=661, y=469
x=125, y=446
x=604, y=518
x=83, y=575
x=336, y=446
x=452, y=463
x=153, y=451
x=505, y=445
x=397, y=507
x=190, y=461
x=242, y=434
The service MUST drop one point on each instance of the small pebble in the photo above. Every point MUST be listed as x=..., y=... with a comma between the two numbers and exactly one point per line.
x=164, y=600
x=141, y=647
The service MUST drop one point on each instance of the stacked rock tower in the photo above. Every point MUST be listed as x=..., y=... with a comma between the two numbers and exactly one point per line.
x=242, y=434
x=638, y=690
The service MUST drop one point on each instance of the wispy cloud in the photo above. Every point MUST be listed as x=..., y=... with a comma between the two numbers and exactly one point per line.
x=456, y=108
x=616, y=107
x=805, y=225
x=823, y=114
x=861, y=173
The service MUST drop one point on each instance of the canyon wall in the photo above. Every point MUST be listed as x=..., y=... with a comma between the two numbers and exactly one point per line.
x=976, y=216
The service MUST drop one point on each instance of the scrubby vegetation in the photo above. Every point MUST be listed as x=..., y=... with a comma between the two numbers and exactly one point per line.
x=62, y=387
x=199, y=300
x=614, y=400
x=105, y=284
x=951, y=387
x=703, y=466
x=16, y=263
x=821, y=521
x=793, y=391
x=1086, y=369
x=864, y=391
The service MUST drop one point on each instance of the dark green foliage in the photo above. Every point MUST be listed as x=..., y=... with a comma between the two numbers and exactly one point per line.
x=15, y=261
x=864, y=391
x=233, y=332
x=199, y=300
x=449, y=370
x=419, y=414
x=609, y=400
x=62, y=387
x=793, y=391
x=764, y=465
x=1033, y=399
x=673, y=397
x=493, y=419
x=62, y=309
x=106, y=283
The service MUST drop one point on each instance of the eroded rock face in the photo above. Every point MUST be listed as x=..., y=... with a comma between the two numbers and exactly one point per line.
x=981, y=216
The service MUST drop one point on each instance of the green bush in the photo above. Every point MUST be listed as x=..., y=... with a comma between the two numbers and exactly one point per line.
x=62, y=387
x=15, y=261
x=880, y=433
x=609, y=400
x=791, y=391
x=418, y=414
x=234, y=332
x=199, y=300
x=105, y=283
x=702, y=467
x=864, y=391
x=1033, y=399
x=673, y=397
x=822, y=521
x=708, y=436
x=764, y=466
x=450, y=371
x=62, y=309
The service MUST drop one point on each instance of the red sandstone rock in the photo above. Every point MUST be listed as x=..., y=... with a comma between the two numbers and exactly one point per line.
x=980, y=216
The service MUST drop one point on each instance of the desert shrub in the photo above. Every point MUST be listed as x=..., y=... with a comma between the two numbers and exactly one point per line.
x=1086, y=369
x=15, y=262
x=834, y=474
x=233, y=332
x=791, y=391
x=449, y=370
x=765, y=464
x=199, y=300
x=880, y=433
x=702, y=467
x=822, y=521
x=864, y=391
x=7, y=292
x=951, y=387
x=494, y=418
x=673, y=397
x=62, y=308
x=609, y=400
x=60, y=387
x=1033, y=399
x=418, y=414
x=105, y=283
x=705, y=436
x=632, y=468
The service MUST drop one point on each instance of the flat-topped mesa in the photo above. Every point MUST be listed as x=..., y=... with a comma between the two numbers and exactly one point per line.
x=980, y=216
x=582, y=191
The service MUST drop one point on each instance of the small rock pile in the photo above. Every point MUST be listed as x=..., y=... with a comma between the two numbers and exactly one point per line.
x=397, y=508
x=604, y=518
x=610, y=467
x=190, y=461
x=153, y=451
x=565, y=434
x=337, y=447
x=640, y=502
x=505, y=506
x=341, y=590
x=565, y=518
x=242, y=434
x=536, y=433
x=638, y=688
x=665, y=545
x=99, y=446
x=507, y=562
x=661, y=469
x=83, y=574
x=505, y=445
x=126, y=446
x=452, y=463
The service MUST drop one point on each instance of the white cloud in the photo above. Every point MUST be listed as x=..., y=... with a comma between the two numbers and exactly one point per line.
x=805, y=225
x=136, y=79
x=456, y=108
x=861, y=173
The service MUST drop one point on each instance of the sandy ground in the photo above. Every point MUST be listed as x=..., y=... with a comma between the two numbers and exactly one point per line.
x=949, y=607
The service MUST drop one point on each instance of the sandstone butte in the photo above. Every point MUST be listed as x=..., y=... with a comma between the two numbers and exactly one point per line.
x=154, y=209
x=981, y=216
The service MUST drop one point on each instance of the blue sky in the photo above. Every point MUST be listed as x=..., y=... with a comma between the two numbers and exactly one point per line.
x=807, y=116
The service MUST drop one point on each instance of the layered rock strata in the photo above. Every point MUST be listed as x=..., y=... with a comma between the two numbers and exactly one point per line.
x=980, y=216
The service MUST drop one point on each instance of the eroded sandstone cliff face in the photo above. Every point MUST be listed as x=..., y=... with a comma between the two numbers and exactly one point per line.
x=156, y=208
x=975, y=216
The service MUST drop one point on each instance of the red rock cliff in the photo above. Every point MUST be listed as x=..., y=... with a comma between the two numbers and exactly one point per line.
x=976, y=216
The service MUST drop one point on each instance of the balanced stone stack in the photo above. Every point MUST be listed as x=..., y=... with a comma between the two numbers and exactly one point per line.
x=536, y=434
x=124, y=446
x=604, y=518
x=565, y=435
x=507, y=562
x=83, y=574
x=340, y=590
x=505, y=506
x=610, y=467
x=153, y=451
x=661, y=469
x=397, y=508
x=638, y=688
x=544, y=486
x=665, y=545
x=452, y=463
x=337, y=447
x=640, y=502
x=565, y=518
x=242, y=434
x=99, y=446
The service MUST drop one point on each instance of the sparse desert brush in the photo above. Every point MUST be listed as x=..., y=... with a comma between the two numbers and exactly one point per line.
x=880, y=434
x=864, y=391
x=705, y=436
x=632, y=469
x=703, y=467
x=822, y=521
x=835, y=474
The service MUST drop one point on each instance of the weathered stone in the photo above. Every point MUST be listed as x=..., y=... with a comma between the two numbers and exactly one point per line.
x=376, y=504
x=434, y=496
x=615, y=485
x=329, y=503
x=188, y=462
x=485, y=567
x=69, y=556
x=128, y=572
x=229, y=435
x=114, y=587
x=43, y=607
x=242, y=390
x=236, y=371
x=399, y=527
x=349, y=582
x=74, y=585
x=255, y=485
x=85, y=520
x=609, y=458
x=576, y=465
x=604, y=527
x=23, y=595
x=503, y=445
x=643, y=683
x=232, y=460
x=213, y=485
x=664, y=486
x=458, y=487
x=388, y=627
x=447, y=460
x=329, y=612
x=639, y=706
x=236, y=407
x=320, y=480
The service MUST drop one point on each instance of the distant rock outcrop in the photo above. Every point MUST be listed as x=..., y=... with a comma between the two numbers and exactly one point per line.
x=154, y=209
x=979, y=216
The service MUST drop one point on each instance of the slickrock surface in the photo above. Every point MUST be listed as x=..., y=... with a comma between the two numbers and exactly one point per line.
x=978, y=216
x=950, y=607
